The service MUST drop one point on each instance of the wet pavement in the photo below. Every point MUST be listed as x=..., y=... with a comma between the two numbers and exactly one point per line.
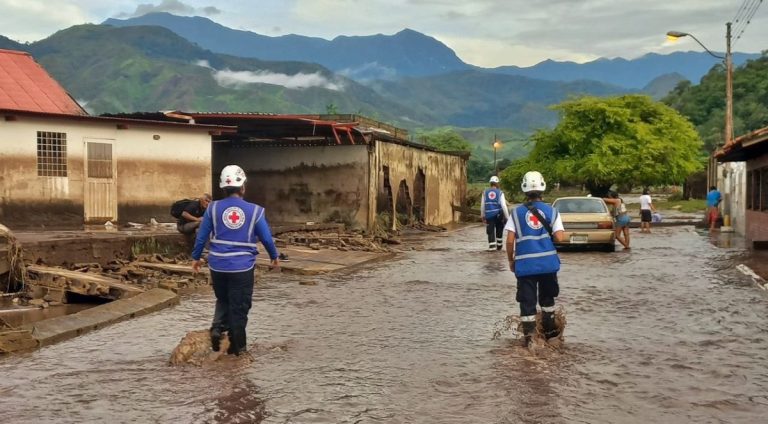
x=669, y=331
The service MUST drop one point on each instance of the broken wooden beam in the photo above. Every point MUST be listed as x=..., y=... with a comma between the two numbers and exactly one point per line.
x=83, y=283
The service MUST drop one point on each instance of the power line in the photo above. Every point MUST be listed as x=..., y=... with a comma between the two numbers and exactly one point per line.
x=741, y=10
x=740, y=19
x=748, y=20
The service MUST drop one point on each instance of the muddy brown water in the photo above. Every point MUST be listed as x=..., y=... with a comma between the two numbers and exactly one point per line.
x=668, y=332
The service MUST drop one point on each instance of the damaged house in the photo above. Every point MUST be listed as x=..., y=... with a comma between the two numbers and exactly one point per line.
x=61, y=167
x=335, y=168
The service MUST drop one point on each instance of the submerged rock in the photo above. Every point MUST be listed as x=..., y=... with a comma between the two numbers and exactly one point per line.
x=195, y=349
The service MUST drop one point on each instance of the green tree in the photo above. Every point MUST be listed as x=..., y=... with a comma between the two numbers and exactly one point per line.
x=704, y=104
x=627, y=140
x=331, y=109
x=445, y=139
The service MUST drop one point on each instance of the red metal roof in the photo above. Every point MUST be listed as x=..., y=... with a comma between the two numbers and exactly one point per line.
x=25, y=85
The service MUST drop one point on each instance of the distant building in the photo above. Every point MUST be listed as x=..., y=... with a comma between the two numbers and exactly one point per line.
x=745, y=177
x=61, y=168
x=335, y=168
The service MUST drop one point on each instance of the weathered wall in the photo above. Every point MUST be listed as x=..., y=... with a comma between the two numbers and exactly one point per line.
x=444, y=181
x=299, y=184
x=732, y=181
x=150, y=173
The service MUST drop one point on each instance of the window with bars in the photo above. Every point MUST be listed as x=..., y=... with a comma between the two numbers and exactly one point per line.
x=750, y=185
x=51, y=154
x=99, y=160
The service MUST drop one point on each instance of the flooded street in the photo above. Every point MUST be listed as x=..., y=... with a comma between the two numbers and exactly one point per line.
x=669, y=331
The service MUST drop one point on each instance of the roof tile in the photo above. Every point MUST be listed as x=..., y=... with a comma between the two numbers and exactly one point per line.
x=25, y=85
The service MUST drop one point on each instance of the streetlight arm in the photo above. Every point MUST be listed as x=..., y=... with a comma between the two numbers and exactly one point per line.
x=678, y=34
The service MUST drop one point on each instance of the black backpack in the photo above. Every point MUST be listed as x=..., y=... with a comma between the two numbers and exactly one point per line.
x=178, y=207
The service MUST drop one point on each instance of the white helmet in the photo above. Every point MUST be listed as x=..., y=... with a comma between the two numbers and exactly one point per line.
x=494, y=179
x=232, y=176
x=533, y=181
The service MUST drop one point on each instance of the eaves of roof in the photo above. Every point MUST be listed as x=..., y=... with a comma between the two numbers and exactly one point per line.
x=11, y=114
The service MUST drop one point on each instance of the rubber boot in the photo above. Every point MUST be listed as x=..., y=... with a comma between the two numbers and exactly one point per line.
x=549, y=326
x=529, y=329
x=216, y=338
x=237, y=341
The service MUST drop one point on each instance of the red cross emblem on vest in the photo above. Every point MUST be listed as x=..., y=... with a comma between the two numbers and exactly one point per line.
x=233, y=217
x=533, y=221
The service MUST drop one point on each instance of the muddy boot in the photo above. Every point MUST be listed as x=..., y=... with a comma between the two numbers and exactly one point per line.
x=216, y=339
x=237, y=341
x=529, y=329
x=549, y=326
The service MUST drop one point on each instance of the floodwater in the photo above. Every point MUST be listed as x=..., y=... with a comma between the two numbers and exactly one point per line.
x=667, y=332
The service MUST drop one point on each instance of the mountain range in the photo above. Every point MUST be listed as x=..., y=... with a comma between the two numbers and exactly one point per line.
x=408, y=79
x=125, y=69
x=409, y=53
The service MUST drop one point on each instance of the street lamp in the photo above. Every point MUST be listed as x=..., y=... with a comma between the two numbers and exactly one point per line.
x=496, y=146
x=711, y=174
x=673, y=35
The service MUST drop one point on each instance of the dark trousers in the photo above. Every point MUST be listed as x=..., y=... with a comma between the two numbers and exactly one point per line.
x=494, y=227
x=188, y=228
x=542, y=288
x=234, y=292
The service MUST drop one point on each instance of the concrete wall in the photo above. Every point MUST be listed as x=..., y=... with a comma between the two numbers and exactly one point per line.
x=445, y=180
x=756, y=220
x=732, y=183
x=297, y=184
x=150, y=174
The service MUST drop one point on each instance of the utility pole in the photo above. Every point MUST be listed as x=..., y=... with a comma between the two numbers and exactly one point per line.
x=728, y=87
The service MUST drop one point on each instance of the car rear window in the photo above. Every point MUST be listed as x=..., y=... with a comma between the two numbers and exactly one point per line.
x=580, y=206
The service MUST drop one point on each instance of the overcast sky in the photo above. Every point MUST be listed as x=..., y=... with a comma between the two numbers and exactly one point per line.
x=482, y=32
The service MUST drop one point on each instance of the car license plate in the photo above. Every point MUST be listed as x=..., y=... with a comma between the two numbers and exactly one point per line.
x=578, y=239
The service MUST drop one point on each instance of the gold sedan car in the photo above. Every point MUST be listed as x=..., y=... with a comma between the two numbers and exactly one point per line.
x=587, y=221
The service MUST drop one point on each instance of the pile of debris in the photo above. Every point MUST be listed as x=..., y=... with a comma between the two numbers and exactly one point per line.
x=151, y=271
x=12, y=271
x=317, y=240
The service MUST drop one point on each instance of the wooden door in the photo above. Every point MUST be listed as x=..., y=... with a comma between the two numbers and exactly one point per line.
x=100, y=182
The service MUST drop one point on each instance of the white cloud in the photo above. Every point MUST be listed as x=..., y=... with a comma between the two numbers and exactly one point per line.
x=31, y=20
x=482, y=32
x=176, y=7
x=239, y=79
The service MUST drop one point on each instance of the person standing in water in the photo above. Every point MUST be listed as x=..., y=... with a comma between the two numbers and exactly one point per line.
x=234, y=227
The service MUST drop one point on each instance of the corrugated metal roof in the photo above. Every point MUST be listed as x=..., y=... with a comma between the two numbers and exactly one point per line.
x=25, y=85
x=10, y=115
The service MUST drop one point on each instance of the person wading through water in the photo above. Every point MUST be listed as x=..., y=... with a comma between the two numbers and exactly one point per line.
x=621, y=218
x=531, y=234
x=234, y=227
x=493, y=209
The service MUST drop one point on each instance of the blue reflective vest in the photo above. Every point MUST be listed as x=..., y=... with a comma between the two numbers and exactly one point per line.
x=535, y=252
x=233, y=245
x=492, y=202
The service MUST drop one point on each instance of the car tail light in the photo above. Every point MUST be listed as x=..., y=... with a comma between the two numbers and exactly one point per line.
x=604, y=225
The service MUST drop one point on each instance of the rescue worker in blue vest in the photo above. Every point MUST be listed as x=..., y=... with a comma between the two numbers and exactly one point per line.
x=234, y=228
x=531, y=232
x=493, y=209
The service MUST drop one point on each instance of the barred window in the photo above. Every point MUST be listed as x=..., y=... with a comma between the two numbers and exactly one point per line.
x=750, y=187
x=51, y=154
x=763, y=189
x=99, y=160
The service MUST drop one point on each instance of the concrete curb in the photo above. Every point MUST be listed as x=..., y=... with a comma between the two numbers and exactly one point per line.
x=57, y=329
x=760, y=281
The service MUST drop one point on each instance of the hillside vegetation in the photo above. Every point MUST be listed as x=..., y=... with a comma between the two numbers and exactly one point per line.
x=704, y=103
